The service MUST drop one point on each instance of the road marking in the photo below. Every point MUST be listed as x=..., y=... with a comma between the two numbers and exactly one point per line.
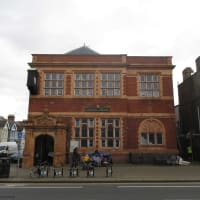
x=158, y=186
x=181, y=199
x=39, y=187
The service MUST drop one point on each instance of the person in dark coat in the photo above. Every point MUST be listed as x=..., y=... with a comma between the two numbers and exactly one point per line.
x=75, y=157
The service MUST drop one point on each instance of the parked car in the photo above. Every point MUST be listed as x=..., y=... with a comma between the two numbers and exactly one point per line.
x=15, y=156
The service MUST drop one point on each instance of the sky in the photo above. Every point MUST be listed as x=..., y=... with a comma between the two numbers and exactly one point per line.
x=132, y=27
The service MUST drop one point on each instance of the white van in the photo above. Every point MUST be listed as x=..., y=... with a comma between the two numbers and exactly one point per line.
x=8, y=148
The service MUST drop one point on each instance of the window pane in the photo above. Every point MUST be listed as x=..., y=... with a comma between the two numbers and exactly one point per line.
x=116, y=132
x=84, y=76
x=103, y=77
x=84, y=143
x=78, y=77
x=144, y=138
x=159, y=138
x=77, y=123
x=110, y=77
x=103, y=122
x=110, y=84
x=151, y=138
x=77, y=84
x=103, y=132
x=54, y=76
x=84, y=130
x=103, y=92
x=117, y=123
x=110, y=131
x=156, y=93
x=53, y=92
x=103, y=143
x=149, y=93
x=47, y=76
x=110, y=142
x=84, y=84
x=116, y=92
x=110, y=92
x=46, y=92
x=90, y=143
x=53, y=81
x=148, y=78
x=117, y=77
x=60, y=84
x=104, y=84
x=117, y=84
x=90, y=92
x=91, y=131
x=77, y=132
x=117, y=143
x=91, y=123
x=84, y=92
x=53, y=84
x=60, y=76
x=155, y=78
x=91, y=77
x=47, y=84
x=77, y=92
x=60, y=92
x=110, y=121
x=90, y=84
x=148, y=86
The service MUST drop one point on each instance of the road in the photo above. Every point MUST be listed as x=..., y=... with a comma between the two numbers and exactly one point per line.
x=99, y=192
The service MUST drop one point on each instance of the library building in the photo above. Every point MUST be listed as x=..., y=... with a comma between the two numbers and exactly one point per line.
x=114, y=103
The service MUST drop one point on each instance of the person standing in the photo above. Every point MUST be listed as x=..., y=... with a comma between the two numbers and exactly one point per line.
x=75, y=157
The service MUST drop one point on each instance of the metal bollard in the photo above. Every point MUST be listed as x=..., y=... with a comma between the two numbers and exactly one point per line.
x=90, y=172
x=58, y=172
x=73, y=172
x=109, y=171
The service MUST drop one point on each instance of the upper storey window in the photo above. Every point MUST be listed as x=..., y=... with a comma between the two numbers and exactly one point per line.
x=110, y=84
x=84, y=84
x=149, y=85
x=53, y=84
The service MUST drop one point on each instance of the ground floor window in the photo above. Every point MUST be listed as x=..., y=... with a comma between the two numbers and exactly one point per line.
x=151, y=132
x=151, y=138
x=84, y=132
x=110, y=133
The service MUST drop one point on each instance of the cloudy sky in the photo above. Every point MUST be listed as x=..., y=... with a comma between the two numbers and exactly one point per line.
x=132, y=27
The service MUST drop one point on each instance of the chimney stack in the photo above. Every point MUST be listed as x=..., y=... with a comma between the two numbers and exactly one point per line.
x=198, y=64
x=11, y=118
x=187, y=73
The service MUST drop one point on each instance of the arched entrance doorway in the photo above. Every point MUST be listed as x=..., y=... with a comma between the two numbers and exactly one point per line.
x=44, y=149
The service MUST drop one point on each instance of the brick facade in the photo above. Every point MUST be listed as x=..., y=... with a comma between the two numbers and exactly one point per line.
x=129, y=107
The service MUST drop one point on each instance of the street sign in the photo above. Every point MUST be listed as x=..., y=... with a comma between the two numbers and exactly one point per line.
x=20, y=135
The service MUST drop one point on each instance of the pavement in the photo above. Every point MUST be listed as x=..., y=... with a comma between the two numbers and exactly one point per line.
x=122, y=173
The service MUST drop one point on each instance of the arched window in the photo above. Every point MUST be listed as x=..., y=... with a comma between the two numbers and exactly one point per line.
x=151, y=132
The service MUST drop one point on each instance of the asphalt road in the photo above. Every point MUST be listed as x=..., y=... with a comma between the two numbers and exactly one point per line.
x=99, y=192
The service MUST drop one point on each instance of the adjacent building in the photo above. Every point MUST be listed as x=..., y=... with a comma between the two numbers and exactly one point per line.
x=189, y=111
x=114, y=103
x=12, y=131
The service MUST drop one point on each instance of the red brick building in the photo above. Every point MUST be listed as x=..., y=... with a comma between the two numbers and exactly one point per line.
x=113, y=103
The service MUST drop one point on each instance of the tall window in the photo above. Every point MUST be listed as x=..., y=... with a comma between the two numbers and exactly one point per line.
x=84, y=84
x=151, y=132
x=110, y=132
x=110, y=84
x=53, y=84
x=149, y=85
x=84, y=132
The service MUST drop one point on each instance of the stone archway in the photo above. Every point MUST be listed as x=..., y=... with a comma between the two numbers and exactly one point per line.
x=49, y=128
x=44, y=149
